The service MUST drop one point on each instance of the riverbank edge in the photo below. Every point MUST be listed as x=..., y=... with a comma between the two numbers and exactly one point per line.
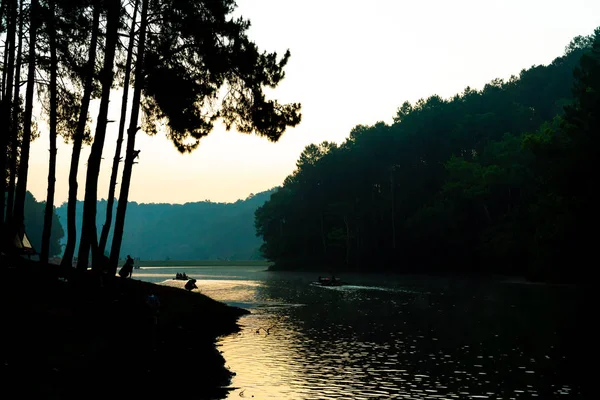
x=203, y=263
x=80, y=335
x=325, y=270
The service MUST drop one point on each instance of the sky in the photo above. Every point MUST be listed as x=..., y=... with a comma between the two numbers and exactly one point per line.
x=352, y=62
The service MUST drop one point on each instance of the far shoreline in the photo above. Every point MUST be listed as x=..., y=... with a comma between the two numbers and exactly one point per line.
x=204, y=263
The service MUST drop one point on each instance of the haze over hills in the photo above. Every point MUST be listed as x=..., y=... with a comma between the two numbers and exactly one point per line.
x=192, y=231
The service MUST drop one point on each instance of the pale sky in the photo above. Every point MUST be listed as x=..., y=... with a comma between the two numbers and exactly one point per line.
x=353, y=62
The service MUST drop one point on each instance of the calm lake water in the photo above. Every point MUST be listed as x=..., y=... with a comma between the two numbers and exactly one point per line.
x=393, y=337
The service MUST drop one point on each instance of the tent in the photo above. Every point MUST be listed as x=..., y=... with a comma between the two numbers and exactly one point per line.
x=22, y=245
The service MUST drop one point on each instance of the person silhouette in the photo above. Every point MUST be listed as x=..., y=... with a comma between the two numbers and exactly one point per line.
x=191, y=285
x=127, y=269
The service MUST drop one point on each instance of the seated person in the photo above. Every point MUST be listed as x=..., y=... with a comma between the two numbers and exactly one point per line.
x=191, y=284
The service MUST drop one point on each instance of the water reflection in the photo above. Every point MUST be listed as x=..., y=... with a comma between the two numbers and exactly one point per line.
x=409, y=338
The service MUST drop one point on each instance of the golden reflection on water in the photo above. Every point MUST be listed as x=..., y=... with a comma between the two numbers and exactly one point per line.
x=365, y=342
x=265, y=354
x=265, y=363
x=286, y=364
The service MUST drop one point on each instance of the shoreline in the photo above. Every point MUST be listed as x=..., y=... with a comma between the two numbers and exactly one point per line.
x=69, y=335
x=203, y=263
x=489, y=276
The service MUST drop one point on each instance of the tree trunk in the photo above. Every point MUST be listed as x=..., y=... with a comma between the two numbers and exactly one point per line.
x=115, y=167
x=49, y=212
x=486, y=212
x=347, y=240
x=67, y=260
x=357, y=253
x=89, y=236
x=14, y=143
x=3, y=7
x=323, y=237
x=19, y=211
x=393, y=209
x=130, y=152
x=4, y=68
x=5, y=107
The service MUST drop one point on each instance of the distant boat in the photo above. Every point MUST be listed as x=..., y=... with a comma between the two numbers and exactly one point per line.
x=181, y=277
x=333, y=281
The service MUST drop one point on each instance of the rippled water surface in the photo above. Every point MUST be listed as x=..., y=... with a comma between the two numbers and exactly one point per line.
x=393, y=337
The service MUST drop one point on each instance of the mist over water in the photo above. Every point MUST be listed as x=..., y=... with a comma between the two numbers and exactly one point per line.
x=393, y=337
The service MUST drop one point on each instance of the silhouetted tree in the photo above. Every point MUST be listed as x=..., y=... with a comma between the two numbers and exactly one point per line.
x=7, y=100
x=130, y=153
x=53, y=88
x=16, y=122
x=193, y=50
x=80, y=135
x=19, y=209
x=122, y=120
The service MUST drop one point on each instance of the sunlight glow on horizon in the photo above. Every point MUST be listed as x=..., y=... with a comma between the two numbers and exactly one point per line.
x=352, y=62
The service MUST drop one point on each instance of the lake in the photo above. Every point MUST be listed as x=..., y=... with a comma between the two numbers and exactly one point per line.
x=386, y=336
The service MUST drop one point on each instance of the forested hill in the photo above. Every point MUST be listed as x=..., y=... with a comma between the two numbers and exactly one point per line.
x=192, y=231
x=489, y=181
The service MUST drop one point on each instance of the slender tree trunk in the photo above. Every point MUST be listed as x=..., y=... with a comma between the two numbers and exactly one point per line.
x=89, y=236
x=6, y=42
x=4, y=68
x=130, y=153
x=49, y=212
x=347, y=240
x=357, y=253
x=115, y=167
x=393, y=208
x=2, y=6
x=486, y=212
x=14, y=142
x=323, y=238
x=19, y=211
x=5, y=106
x=67, y=260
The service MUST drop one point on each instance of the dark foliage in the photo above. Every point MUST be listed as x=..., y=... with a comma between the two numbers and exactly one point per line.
x=489, y=181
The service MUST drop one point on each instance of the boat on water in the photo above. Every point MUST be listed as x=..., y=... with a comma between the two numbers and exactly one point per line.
x=330, y=281
x=181, y=277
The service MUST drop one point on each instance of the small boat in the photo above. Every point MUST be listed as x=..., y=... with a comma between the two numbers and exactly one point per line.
x=333, y=281
x=181, y=277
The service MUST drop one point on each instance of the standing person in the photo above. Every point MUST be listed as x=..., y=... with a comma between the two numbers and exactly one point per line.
x=127, y=269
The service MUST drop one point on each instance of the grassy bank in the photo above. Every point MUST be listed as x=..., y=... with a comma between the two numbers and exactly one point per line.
x=203, y=263
x=82, y=339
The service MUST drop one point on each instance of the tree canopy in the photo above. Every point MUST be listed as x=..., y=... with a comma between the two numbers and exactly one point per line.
x=489, y=181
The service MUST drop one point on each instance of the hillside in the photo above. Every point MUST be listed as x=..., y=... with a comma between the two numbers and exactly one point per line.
x=489, y=181
x=191, y=231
